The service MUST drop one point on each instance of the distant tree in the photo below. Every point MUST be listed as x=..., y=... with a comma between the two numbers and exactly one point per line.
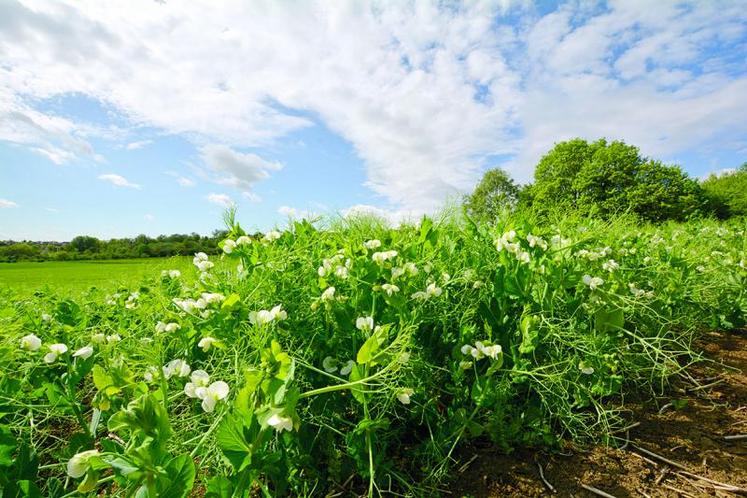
x=85, y=243
x=496, y=191
x=19, y=252
x=727, y=193
x=605, y=178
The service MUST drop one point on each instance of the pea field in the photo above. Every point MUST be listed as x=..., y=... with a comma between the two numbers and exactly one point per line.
x=353, y=358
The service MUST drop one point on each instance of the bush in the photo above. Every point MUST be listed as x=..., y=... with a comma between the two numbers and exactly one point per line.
x=728, y=193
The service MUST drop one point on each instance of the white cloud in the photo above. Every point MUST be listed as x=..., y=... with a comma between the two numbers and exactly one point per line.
x=5, y=203
x=185, y=182
x=427, y=95
x=236, y=169
x=295, y=213
x=220, y=199
x=149, y=217
x=138, y=145
x=52, y=210
x=119, y=181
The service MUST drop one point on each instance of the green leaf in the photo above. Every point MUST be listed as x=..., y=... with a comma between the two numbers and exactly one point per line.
x=181, y=476
x=231, y=302
x=7, y=446
x=357, y=391
x=219, y=487
x=608, y=321
x=232, y=441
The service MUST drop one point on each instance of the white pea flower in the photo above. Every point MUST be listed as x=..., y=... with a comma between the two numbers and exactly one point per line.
x=79, y=464
x=172, y=327
x=428, y=268
x=610, y=265
x=420, y=295
x=175, y=273
x=592, y=282
x=404, y=395
x=98, y=338
x=31, y=342
x=411, y=269
x=397, y=272
x=381, y=257
x=279, y=423
x=372, y=244
x=342, y=272
x=212, y=394
x=278, y=313
x=523, y=257
x=364, y=323
x=585, y=369
x=212, y=297
x=206, y=343
x=150, y=374
x=228, y=246
x=55, y=350
x=536, y=242
x=328, y=294
x=199, y=378
x=272, y=235
x=46, y=317
x=389, y=289
x=113, y=338
x=180, y=368
x=329, y=364
x=243, y=241
x=347, y=368
x=160, y=327
x=493, y=351
x=467, y=349
x=263, y=317
x=84, y=353
x=433, y=290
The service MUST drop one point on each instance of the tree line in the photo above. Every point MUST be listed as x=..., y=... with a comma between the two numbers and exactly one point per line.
x=604, y=178
x=87, y=247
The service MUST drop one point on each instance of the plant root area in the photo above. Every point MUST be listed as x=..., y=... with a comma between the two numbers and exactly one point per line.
x=690, y=443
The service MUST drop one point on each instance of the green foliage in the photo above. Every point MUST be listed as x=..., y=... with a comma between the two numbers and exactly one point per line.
x=495, y=192
x=727, y=193
x=356, y=353
x=609, y=178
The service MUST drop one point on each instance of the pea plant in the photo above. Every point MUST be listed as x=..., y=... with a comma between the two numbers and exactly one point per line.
x=355, y=357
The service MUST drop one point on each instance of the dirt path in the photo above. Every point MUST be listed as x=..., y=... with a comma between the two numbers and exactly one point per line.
x=691, y=437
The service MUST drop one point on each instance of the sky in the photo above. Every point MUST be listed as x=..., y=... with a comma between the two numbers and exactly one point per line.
x=121, y=118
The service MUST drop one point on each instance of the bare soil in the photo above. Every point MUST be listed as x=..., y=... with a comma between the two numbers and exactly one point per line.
x=701, y=461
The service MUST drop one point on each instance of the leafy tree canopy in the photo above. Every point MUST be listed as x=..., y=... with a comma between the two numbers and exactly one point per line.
x=728, y=193
x=496, y=191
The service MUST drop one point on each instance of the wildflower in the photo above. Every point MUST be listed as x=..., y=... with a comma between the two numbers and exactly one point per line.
x=79, y=464
x=372, y=244
x=212, y=394
x=341, y=272
x=345, y=370
x=98, y=338
x=113, y=338
x=201, y=262
x=411, y=269
x=397, y=272
x=610, y=265
x=404, y=395
x=279, y=423
x=228, y=246
x=55, y=350
x=131, y=302
x=162, y=327
x=329, y=364
x=404, y=357
x=445, y=277
x=243, y=241
x=206, y=343
x=328, y=294
x=46, y=317
x=380, y=257
x=743, y=264
x=493, y=351
x=465, y=365
x=171, y=273
x=180, y=368
x=420, y=295
x=30, y=342
x=523, y=257
x=199, y=378
x=364, y=323
x=592, y=282
x=389, y=289
x=84, y=353
x=272, y=235
x=635, y=290
x=505, y=242
x=478, y=284
x=428, y=268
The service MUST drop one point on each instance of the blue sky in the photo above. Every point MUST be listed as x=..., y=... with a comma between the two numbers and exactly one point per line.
x=120, y=118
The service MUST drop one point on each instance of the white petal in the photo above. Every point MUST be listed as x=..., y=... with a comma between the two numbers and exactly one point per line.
x=219, y=389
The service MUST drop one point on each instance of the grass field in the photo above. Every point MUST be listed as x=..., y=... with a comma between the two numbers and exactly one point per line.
x=73, y=277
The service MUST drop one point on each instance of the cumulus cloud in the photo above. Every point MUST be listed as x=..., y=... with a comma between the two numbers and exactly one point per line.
x=295, y=213
x=220, y=199
x=236, y=169
x=119, y=181
x=5, y=203
x=426, y=94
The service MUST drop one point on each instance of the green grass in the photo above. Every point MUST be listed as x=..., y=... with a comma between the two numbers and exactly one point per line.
x=73, y=277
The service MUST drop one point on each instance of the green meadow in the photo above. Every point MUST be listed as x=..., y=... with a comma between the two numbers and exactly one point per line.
x=74, y=277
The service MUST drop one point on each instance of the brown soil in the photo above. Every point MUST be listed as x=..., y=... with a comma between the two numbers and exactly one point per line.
x=691, y=437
